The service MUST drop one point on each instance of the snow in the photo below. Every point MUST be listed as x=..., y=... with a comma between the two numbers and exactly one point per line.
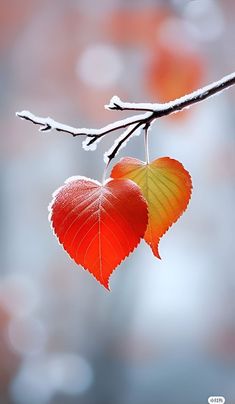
x=45, y=122
x=151, y=109
x=145, y=106
x=155, y=107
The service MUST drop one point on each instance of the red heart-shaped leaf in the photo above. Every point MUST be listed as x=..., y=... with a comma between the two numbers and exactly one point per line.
x=98, y=225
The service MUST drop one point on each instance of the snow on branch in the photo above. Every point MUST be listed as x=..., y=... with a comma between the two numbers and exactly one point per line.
x=152, y=111
x=92, y=135
x=177, y=104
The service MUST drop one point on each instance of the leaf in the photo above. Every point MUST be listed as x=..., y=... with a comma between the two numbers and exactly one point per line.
x=98, y=225
x=166, y=186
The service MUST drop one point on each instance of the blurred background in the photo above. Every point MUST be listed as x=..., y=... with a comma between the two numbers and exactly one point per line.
x=166, y=332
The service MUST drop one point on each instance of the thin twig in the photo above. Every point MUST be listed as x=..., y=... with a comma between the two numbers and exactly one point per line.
x=120, y=142
x=152, y=111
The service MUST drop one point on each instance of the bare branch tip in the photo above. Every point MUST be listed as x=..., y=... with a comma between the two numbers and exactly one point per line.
x=20, y=114
x=114, y=104
x=46, y=128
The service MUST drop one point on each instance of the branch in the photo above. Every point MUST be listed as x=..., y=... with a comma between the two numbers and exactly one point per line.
x=93, y=135
x=176, y=105
x=47, y=124
x=152, y=111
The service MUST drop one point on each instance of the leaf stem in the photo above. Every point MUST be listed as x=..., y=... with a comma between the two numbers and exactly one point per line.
x=105, y=172
x=146, y=143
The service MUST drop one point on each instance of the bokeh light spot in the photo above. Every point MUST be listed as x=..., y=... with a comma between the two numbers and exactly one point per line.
x=100, y=66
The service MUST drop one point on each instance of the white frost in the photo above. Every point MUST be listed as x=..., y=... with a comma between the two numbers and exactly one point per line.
x=58, y=190
x=155, y=107
x=44, y=122
x=90, y=147
x=47, y=124
x=145, y=106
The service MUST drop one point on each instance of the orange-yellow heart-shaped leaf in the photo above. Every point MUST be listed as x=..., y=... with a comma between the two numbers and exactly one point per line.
x=98, y=225
x=166, y=186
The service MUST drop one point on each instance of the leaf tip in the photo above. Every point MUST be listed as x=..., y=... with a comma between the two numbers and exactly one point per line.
x=155, y=251
x=104, y=283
